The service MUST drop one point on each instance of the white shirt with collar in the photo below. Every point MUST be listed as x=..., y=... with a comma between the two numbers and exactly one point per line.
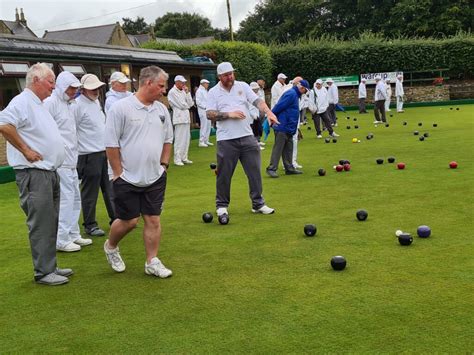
x=380, y=91
x=277, y=90
x=34, y=124
x=318, y=100
x=113, y=96
x=399, y=88
x=201, y=97
x=362, y=91
x=140, y=132
x=237, y=99
x=180, y=102
x=90, y=126
x=333, y=94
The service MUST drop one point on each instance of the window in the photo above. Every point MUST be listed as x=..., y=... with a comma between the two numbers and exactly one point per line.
x=76, y=69
x=14, y=68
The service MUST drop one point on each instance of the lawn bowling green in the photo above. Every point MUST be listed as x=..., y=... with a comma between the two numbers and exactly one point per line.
x=258, y=284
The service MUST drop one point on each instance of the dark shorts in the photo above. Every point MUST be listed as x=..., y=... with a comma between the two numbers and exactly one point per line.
x=132, y=201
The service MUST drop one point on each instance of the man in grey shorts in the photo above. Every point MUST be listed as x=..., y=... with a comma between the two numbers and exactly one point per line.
x=227, y=105
x=35, y=150
x=138, y=139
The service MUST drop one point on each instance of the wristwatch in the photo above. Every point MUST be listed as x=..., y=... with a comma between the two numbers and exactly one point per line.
x=166, y=165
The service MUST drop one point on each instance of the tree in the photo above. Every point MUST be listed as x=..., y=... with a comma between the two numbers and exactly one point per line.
x=182, y=25
x=137, y=27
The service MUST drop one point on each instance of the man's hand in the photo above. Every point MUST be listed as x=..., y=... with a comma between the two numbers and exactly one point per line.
x=272, y=119
x=31, y=155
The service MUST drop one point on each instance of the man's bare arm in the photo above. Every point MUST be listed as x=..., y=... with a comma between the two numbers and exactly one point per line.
x=165, y=154
x=11, y=135
x=215, y=115
x=262, y=106
x=113, y=155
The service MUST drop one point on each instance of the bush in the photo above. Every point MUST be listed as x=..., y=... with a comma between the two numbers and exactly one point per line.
x=249, y=59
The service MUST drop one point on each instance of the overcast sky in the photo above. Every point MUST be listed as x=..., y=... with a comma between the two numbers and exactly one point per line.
x=57, y=15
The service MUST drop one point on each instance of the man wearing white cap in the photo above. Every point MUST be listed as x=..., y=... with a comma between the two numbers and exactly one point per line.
x=379, y=98
x=181, y=101
x=60, y=106
x=227, y=105
x=318, y=105
x=36, y=150
x=362, y=95
x=389, y=95
x=333, y=99
x=118, y=89
x=399, y=92
x=278, y=88
x=205, y=124
x=92, y=161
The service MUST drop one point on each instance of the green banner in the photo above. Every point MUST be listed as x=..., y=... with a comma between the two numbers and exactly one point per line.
x=343, y=80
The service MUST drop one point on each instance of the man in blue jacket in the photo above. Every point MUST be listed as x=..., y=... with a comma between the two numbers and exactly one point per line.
x=287, y=111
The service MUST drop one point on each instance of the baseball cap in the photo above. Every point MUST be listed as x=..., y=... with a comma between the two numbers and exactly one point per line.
x=180, y=78
x=329, y=80
x=254, y=85
x=282, y=76
x=378, y=77
x=120, y=77
x=319, y=81
x=305, y=84
x=204, y=81
x=224, y=67
x=91, y=82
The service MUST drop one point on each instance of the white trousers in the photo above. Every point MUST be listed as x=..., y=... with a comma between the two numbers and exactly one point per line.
x=69, y=207
x=399, y=103
x=295, y=145
x=205, y=130
x=182, y=137
x=387, y=105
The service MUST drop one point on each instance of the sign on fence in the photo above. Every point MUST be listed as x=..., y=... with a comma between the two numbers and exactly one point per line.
x=343, y=80
x=389, y=75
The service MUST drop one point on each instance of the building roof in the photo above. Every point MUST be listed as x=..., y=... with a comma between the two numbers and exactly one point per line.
x=138, y=40
x=19, y=29
x=188, y=41
x=95, y=34
x=46, y=49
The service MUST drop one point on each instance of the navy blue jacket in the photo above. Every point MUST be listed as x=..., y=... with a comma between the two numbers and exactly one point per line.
x=287, y=111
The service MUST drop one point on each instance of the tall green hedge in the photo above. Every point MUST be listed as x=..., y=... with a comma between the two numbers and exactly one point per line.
x=314, y=58
x=249, y=59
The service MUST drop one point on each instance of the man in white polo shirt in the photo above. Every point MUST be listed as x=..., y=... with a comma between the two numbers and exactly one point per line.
x=205, y=124
x=278, y=88
x=35, y=150
x=92, y=161
x=118, y=89
x=139, y=134
x=181, y=101
x=60, y=106
x=333, y=99
x=227, y=105
x=380, y=95
x=362, y=95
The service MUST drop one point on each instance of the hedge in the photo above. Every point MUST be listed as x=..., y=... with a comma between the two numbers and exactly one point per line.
x=314, y=58
x=249, y=59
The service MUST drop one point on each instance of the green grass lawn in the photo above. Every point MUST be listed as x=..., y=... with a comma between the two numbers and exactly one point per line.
x=258, y=285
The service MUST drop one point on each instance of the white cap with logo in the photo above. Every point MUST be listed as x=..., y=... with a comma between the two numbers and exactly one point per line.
x=180, y=78
x=120, y=77
x=224, y=67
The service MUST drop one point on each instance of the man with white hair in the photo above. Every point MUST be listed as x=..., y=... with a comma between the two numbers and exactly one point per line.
x=139, y=134
x=227, y=106
x=379, y=99
x=278, y=88
x=318, y=105
x=118, y=89
x=399, y=92
x=389, y=95
x=36, y=150
x=205, y=124
x=181, y=101
x=60, y=106
x=255, y=115
x=92, y=160
x=362, y=95
x=333, y=99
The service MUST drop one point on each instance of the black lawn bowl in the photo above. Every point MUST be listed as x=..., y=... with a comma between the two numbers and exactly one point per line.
x=327, y=140
x=338, y=263
x=426, y=135
x=348, y=127
x=405, y=123
x=213, y=166
x=368, y=137
x=450, y=108
x=348, y=118
x=321, y=172
x=422, y=138
x=207, y=217
x=405, y=239
x=457, y=108
x=224, y=219
x=423, y=231
x=310, y=230
x=346, y=162
x=416, y=133
x=355, y=119
x=420, y=124
x=379, y=161
x=334, y=140
x=387, y=125
x=341, y=162
x=356, y=127
x=362, y=215
x=391, y=115
x=309, y=128
x=391, y=160
x=435, y=125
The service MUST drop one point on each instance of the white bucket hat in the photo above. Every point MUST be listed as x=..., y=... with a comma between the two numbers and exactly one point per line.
x=91, y=82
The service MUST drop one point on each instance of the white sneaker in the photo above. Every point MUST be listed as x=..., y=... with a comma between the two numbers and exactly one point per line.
x=297, y=166
x=262, y=148
x=210, y=144
x=83, y=242
x=335, y=125
x=221, y=210
x=377, y=122
x=178, y=163
x=187, y=161
x=319, y=136
x=334, y=134
x=264, y=210
x=114, y=258
x=157, y=268
x=261, y=143
x=202, y=145
x=71, y=247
